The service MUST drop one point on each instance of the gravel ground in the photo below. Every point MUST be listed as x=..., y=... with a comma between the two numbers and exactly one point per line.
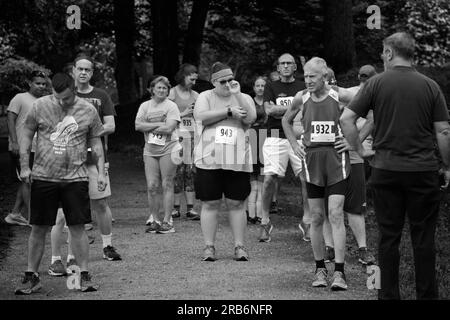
x=168, y=267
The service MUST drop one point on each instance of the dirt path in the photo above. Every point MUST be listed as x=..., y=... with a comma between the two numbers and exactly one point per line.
x=169, y=266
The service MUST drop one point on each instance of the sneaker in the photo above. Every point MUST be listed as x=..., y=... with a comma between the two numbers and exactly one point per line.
x=29, y=284
x=57, y=269
x=240, y=254
x=339, y=282
x=71, y=262
x=320, y=278
x=264, y=235
x=16, y=219
x=153, y=228
x=176, y=213
x=273, y=207
x=86, y=283
x=209, y=254
x=110, y=254
x=166, y=228
x=365, y=257
x=88, y=226
x=258, y=220
x=149, y=221
x=329, y=254
x=91, y=239
x=192, y=215
x=304, y=228
x=113, y=220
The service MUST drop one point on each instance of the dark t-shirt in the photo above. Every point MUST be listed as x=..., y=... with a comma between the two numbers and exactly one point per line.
x=405, y=105
x=280, y=93
x=102, y=103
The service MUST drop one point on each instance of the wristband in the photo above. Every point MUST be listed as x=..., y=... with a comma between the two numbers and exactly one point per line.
x=229, y=113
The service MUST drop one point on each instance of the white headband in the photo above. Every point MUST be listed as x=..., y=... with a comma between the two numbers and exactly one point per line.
x=220, y=74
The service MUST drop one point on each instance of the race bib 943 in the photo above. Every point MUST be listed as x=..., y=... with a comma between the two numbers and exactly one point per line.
x=322, y=131
x=156, y=138
x=226, y=135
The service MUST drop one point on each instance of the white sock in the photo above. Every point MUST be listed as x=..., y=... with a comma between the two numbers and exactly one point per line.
x=55, y=258
x=106, y=238
x=70, y=257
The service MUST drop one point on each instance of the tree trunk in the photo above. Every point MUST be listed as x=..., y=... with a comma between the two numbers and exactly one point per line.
x=339, y=43
x=165, y=37
x=194, y=36
x=124, y=28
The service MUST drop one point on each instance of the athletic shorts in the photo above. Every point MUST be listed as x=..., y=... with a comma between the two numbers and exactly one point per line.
x=355, y=197
x=325, y=167
x=47, y=196
x=277, y=152
x=94, y=194
x=211, y=185
x=316, y=192
x=15, y=161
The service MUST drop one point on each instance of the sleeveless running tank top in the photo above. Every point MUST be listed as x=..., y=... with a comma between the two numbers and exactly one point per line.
x=321, y=120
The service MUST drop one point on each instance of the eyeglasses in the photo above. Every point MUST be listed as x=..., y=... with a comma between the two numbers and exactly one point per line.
x=288, y=63
x=362, y=75
x=222, y=82
x=38, y=74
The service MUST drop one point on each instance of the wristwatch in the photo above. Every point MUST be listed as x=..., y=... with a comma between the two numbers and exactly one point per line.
x=229, y=113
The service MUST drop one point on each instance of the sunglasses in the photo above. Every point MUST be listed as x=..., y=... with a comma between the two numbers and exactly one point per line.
x=222, y=82
x=362, y=75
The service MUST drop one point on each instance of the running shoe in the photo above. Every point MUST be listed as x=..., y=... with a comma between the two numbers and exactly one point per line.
x=320, y=278
x=166, y=228
x=110, y=254
x=149, y=220
x=329, y=254
x=86, y=283
x=176, y=213
x=192, y=215
x=29, y=284
x=258, y=220
x=57, y=269
x=16, y=219
x=91, y=239
x=209, y=254
x=266, y=229
x=339, y=282
x=88, y=226
x=153, y=228
x=274, y=207
x=240, y=254
x=113, y=220
x=365, y=257
x=305, y=230
x=71, y=262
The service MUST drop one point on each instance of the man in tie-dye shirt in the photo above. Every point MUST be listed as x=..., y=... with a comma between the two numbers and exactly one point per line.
x=66, y=126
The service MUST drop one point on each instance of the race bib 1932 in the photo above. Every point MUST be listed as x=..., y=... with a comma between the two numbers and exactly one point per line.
x=322, y=131
x=226, y=135
x=156, y=138
x=187, y=123
x=284, y=101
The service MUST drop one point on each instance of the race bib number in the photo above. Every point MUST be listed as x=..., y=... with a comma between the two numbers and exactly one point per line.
x=322, y=131
x=188, y=124
x=156, y=138
x=284, y=101
x=226, y=135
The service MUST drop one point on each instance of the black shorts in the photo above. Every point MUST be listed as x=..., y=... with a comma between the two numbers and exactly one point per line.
x=211, y=185
x=15, y=161
x=355, y=196
x=316, y=192
x=47, y=196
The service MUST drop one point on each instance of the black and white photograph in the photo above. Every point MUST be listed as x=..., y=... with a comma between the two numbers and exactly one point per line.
x=224, y=158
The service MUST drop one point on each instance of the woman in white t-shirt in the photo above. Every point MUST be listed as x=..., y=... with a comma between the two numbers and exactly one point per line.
x=158, y=118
